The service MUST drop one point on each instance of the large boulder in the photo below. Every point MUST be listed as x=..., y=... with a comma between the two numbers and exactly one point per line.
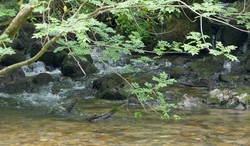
x=113, y=87
x=235, y=79
x=207, y=66
x=70, y=67
x=177, y=29
x=24, y=38
x=49, y=58
x=42, y=79
x=110, y=87
x=7, y=60
x=14, y=82
x=231, y=36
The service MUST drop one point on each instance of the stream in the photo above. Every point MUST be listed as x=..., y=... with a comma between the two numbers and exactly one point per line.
x=211, y=127
x=39, y=118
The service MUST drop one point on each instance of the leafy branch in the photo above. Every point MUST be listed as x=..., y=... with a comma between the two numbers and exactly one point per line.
x=152, y=92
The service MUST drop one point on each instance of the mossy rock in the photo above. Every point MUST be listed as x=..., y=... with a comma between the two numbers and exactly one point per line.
x=229, y=78
x=42, y=79
x=175, y=72
x=70, y=67
x=113, y=87
x=14, y=82
x=247, y=65
x=207, y=66
x=59, y=57
x=7, y=60
x=109, y=87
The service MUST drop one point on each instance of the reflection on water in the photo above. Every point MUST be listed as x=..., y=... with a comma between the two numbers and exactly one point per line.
x=24, y=126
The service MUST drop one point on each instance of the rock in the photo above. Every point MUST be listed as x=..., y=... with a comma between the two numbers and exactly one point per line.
x=175, y=72
x=202, y=82
x=230, y=78
x=180, y=61
x=228, y=98
x=231, y=36
x=179, y=28
x=247, y=65
x=49, y=58
x=70, y=67
x=235, y=79
x=207, y=66
x=14, y=82
x=58, y=58
x=7, y=60
x=24, y=39
x=190, y=103
x=113, y=87
x=42, y=79
x=110, y=87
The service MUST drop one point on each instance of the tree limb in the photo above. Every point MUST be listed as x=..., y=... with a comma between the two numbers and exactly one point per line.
x=17, y=22
x=33, y=59
x=105, y=115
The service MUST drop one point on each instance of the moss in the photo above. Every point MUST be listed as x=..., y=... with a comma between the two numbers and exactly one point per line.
x=247, y=99
x=207, y=66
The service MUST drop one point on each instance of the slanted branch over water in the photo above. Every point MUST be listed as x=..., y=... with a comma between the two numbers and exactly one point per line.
x=71, y=105
x=105, y=115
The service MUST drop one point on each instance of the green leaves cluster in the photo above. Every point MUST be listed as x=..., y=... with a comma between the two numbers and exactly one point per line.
x=6, y=12
x=208, y=7
x=4, y=49
x=152, y=92
x=222, y=50
x=164, y=47
x=195, y=43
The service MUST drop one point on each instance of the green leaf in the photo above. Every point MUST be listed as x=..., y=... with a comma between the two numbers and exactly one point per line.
x=137, y=114
x=6, y=51
x=248, y=25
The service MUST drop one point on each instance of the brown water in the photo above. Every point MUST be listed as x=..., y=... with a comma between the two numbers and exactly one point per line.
x=211, y=127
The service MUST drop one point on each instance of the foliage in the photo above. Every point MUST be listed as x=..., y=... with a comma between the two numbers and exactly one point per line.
x=5, y=49
x=152, y=92
x=224, y=50
x=8, y=12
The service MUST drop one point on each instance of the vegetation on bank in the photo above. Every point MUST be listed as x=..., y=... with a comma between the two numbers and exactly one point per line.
x=119, y=27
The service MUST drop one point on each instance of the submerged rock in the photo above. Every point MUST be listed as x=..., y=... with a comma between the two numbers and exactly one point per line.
x=190, y=103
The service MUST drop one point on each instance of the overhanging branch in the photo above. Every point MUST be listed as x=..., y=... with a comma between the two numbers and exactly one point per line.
x=33, y=59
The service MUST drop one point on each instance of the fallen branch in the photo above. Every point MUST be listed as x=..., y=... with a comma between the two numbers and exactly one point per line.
x=106, y=115
x=72, y=104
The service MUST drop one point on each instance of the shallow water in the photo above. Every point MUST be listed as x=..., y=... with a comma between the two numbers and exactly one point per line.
x=31, y=126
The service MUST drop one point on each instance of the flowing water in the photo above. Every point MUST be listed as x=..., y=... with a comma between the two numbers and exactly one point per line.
x=39, y=118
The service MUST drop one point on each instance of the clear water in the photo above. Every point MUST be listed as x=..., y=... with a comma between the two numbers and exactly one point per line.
x=38, y=119
x=211, y=127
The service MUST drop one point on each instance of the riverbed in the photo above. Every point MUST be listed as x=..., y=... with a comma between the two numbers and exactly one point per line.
x=29, y=126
